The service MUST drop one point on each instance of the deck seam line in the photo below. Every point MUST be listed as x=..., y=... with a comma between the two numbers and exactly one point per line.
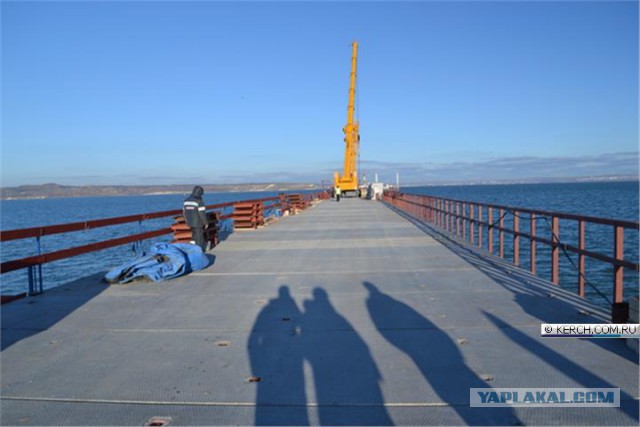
x=192, y=330
x=303, y=273
x=233, y=404
x=241, y=404
x=246, y=404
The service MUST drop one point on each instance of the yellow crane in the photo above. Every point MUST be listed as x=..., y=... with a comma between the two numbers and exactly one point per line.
x=348, y=182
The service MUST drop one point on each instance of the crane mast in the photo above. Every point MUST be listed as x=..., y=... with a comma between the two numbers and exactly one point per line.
x=348, y=181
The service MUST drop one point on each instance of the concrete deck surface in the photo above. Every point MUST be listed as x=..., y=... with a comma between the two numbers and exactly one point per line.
x=348, y=314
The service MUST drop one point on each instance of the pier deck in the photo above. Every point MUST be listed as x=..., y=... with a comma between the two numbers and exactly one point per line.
x=348, y=313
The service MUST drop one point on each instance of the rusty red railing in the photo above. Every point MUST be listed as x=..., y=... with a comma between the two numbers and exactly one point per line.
x=465, y=221
x=31, y=262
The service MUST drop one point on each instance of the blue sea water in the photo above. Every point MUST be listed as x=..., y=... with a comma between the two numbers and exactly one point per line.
x=17, y=214
x=617, y=200
x=611, y=200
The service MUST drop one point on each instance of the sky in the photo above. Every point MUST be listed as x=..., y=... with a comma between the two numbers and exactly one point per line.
x=166, y=92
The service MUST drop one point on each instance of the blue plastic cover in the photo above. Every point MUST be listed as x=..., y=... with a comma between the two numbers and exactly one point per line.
x=163, y=261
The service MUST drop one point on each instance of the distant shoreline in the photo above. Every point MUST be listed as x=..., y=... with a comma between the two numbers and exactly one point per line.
x=56, y=191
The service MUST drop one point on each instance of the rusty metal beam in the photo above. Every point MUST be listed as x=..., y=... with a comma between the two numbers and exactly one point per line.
x=444, y=208
x=18, y=264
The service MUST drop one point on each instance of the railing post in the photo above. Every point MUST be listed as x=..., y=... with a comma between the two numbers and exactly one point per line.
x=432, y=211
x=619, y=308
x=35, y=279
x=532, y=243
x=40, y=284
x=472, y=226
x=35, y=273
x=446, y=215
x=618, y=271
x=464, y=221
x=490, y=230
x=581, y=257
x=425, y=209
x=452, y=217
x=435, y=212
x=501, y=233
x=138, y=245
x=516, y=239
x=555, y=250
x=480, y=226
x=457, y=219
x=31, y=283
x=443, y=222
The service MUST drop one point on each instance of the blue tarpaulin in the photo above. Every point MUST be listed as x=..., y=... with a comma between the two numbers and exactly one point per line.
x=163, y=261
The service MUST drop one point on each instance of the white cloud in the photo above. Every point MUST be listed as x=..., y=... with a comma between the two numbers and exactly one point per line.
x=506, y=168
x=497, y=169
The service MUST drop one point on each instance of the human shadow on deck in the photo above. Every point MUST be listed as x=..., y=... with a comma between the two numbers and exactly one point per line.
x=436, y=355
x=535, y=295
x=344, y=371
x=29, y=316
x=566, y=366
x=345, y=375
x=276, y=355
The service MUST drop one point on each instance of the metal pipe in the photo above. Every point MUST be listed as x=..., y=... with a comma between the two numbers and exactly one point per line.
x=581, y=258
x=532, y=243
x=516, y=239
x=490, y=230
x=472, y=225
x=501, y=232
x=617, y=260
x=555, y=250
x=618, y=272
x=480, y=226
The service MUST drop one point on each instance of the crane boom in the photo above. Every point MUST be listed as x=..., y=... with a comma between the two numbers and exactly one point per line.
x=348, y=182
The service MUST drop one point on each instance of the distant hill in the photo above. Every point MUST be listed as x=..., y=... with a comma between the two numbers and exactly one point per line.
x=56, y=190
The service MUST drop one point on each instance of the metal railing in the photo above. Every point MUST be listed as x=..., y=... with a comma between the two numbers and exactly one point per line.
x=466, y=221
x=34, y=263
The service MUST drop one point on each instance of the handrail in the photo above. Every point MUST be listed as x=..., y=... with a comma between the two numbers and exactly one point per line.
x=78, y=250
x=464, y=221
x=561, y=215
x=86, y=225
x=38, y=232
